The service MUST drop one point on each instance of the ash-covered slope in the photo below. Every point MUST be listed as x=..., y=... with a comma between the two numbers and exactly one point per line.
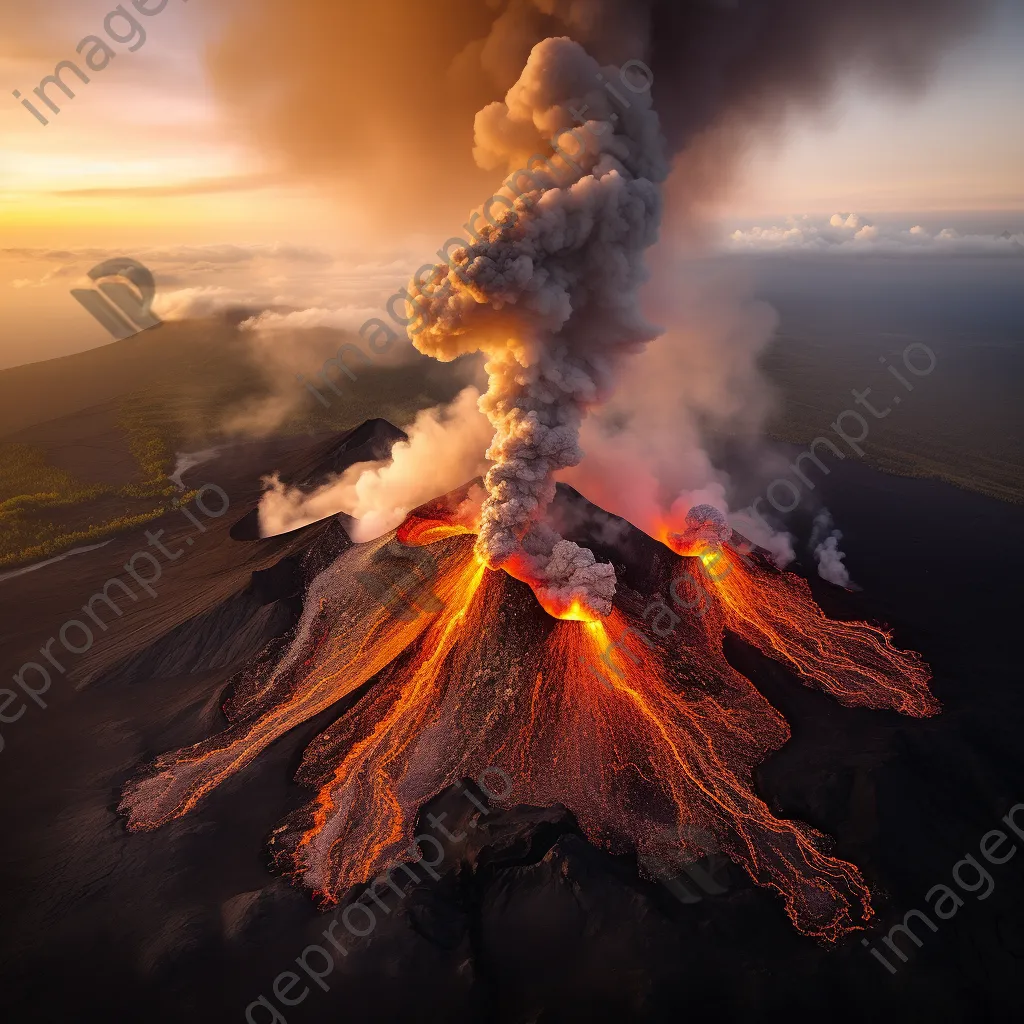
x=528, y=920
x=636, y=722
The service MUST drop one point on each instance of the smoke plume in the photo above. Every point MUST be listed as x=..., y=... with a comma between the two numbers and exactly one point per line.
x=550, y=295
x=376, y=100
x=646, y=449
x=443, y=451
x=824, y=543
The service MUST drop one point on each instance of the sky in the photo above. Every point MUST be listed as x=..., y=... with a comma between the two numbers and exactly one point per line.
x=957, y=147
x=151, y=156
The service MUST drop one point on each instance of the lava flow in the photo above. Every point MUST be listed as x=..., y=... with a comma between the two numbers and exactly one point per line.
x=648, y=737
x=774, y=611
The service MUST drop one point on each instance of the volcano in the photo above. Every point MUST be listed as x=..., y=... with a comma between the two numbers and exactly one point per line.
x=635, y=722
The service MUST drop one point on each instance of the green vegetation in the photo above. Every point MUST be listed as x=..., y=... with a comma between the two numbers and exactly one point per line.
x=25, y=473
x=45, y=510
x=31, y=541
x=134, y=406
x=114, y=417
x=150, y=448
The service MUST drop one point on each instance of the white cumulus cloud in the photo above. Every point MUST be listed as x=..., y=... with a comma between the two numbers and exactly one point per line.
x=852, y=233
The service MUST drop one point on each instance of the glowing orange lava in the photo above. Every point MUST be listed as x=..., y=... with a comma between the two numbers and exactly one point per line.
x=774, y=611
x=642, y=736
x=576, y=612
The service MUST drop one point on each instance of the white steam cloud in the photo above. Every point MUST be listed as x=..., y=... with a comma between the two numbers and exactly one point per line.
x=824, y=543
x=647, y=453
x=347, y=319
x=444, y=450
x=778, y=543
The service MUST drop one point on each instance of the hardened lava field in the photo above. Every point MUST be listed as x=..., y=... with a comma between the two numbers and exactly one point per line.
x=645, y=733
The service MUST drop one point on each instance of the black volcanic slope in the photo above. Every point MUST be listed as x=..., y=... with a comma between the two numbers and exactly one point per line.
x=528, y=923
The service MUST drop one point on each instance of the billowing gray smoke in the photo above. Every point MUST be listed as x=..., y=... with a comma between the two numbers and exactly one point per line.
x=376, y=100
x=550, y=294
x=705, y=527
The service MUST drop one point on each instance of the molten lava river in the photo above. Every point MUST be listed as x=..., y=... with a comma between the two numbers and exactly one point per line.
x=649, y=737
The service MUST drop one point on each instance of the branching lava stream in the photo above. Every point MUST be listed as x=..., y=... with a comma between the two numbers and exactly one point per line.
x=641, y=736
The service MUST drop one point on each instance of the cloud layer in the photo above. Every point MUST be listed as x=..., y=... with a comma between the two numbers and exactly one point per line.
x=852, y=233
